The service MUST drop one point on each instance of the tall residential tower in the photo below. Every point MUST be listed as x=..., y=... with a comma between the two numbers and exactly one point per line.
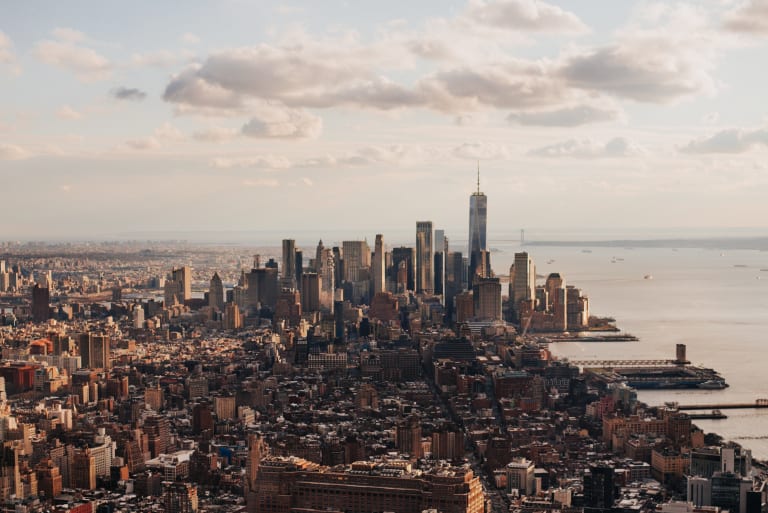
x=425, y=279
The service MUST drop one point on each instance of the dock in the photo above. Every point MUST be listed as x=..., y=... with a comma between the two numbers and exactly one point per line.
x=759, y=403
x=714, y=415
x=648, y=374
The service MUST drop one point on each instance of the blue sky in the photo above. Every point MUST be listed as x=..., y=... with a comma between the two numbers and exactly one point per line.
x=240, y=115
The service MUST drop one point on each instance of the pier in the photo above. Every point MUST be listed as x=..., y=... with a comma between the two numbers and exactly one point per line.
x=759, y=403
x=714, y=415
x=624, y=363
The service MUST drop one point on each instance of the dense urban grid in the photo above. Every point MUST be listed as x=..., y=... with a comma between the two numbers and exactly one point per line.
x=148, y=376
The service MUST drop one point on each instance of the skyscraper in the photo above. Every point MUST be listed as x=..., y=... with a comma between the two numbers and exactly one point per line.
x=441, y=252
x=478, y=222
x=183, y=277
x=487, y=297
x=425, y=280
x=299, y=262
x=556, y=290
x=407, y=256
x=94, y=350
x=41, y=297
x=522, y=280
x=310, y=292
x=357, y=260
x=289, y=261
x=378, y=265
x=319, y=256
x=598, y=488
x=216, y=293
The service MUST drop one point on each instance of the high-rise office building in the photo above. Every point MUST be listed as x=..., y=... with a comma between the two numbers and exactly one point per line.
x=232, y=319
x=357, y=260
x=84, y=469
x=441, y=252
x=522, y=279
x=41, y=297
x=408, y=257
x=183, y=276
x=216, y=293
x=478, y=222
x=425, y=280
x=487, y=297
x=94, y=351
x=599, y=490
x=327, y=274
x=138, y=317
x=338, y=265
x=378, y=265
x=319, y=255
x=557, y=294
x=262, y=286
x=310, y=292
x=299, y=258
x=10, y=479
x=289, y=261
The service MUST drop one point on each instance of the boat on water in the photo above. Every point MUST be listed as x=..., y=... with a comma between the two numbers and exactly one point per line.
x=648, y=277
x=712, y=384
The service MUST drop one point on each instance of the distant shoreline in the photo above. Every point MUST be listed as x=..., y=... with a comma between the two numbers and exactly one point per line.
x=720, y=243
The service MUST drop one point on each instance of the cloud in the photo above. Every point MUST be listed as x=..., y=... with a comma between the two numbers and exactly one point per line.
x=157, y=59
x=189, y=38
x=656, y=75
x=393, y=155
x=287, y=74
x=67, y=112
x=68, y=35
x=589, y=149
x=525, y=15
x=6, y=50
x=567, y=116
x=12, y=152
x=64, y=52
x=192, y=91
x=728, y=141
x=513, y=84
x=261, y=182
x=751, y=17
x=481, y=151
x=666, y=53
x=284, y=123
x=216, y=134
x=146, y=143
x=128, y=93
x=258, y=162
x=168, y=132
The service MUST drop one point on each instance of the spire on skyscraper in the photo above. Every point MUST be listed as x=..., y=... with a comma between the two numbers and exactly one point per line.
x=478, y=177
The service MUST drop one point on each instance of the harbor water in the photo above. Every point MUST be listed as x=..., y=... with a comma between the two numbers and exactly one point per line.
x=714, y=301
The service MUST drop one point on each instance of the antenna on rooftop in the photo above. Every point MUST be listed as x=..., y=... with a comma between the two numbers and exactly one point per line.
x=478, y=177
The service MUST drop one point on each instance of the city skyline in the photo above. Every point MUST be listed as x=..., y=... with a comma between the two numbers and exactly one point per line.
x=641, y=115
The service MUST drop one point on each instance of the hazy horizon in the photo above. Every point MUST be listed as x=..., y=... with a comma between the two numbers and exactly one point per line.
x=735, y=238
